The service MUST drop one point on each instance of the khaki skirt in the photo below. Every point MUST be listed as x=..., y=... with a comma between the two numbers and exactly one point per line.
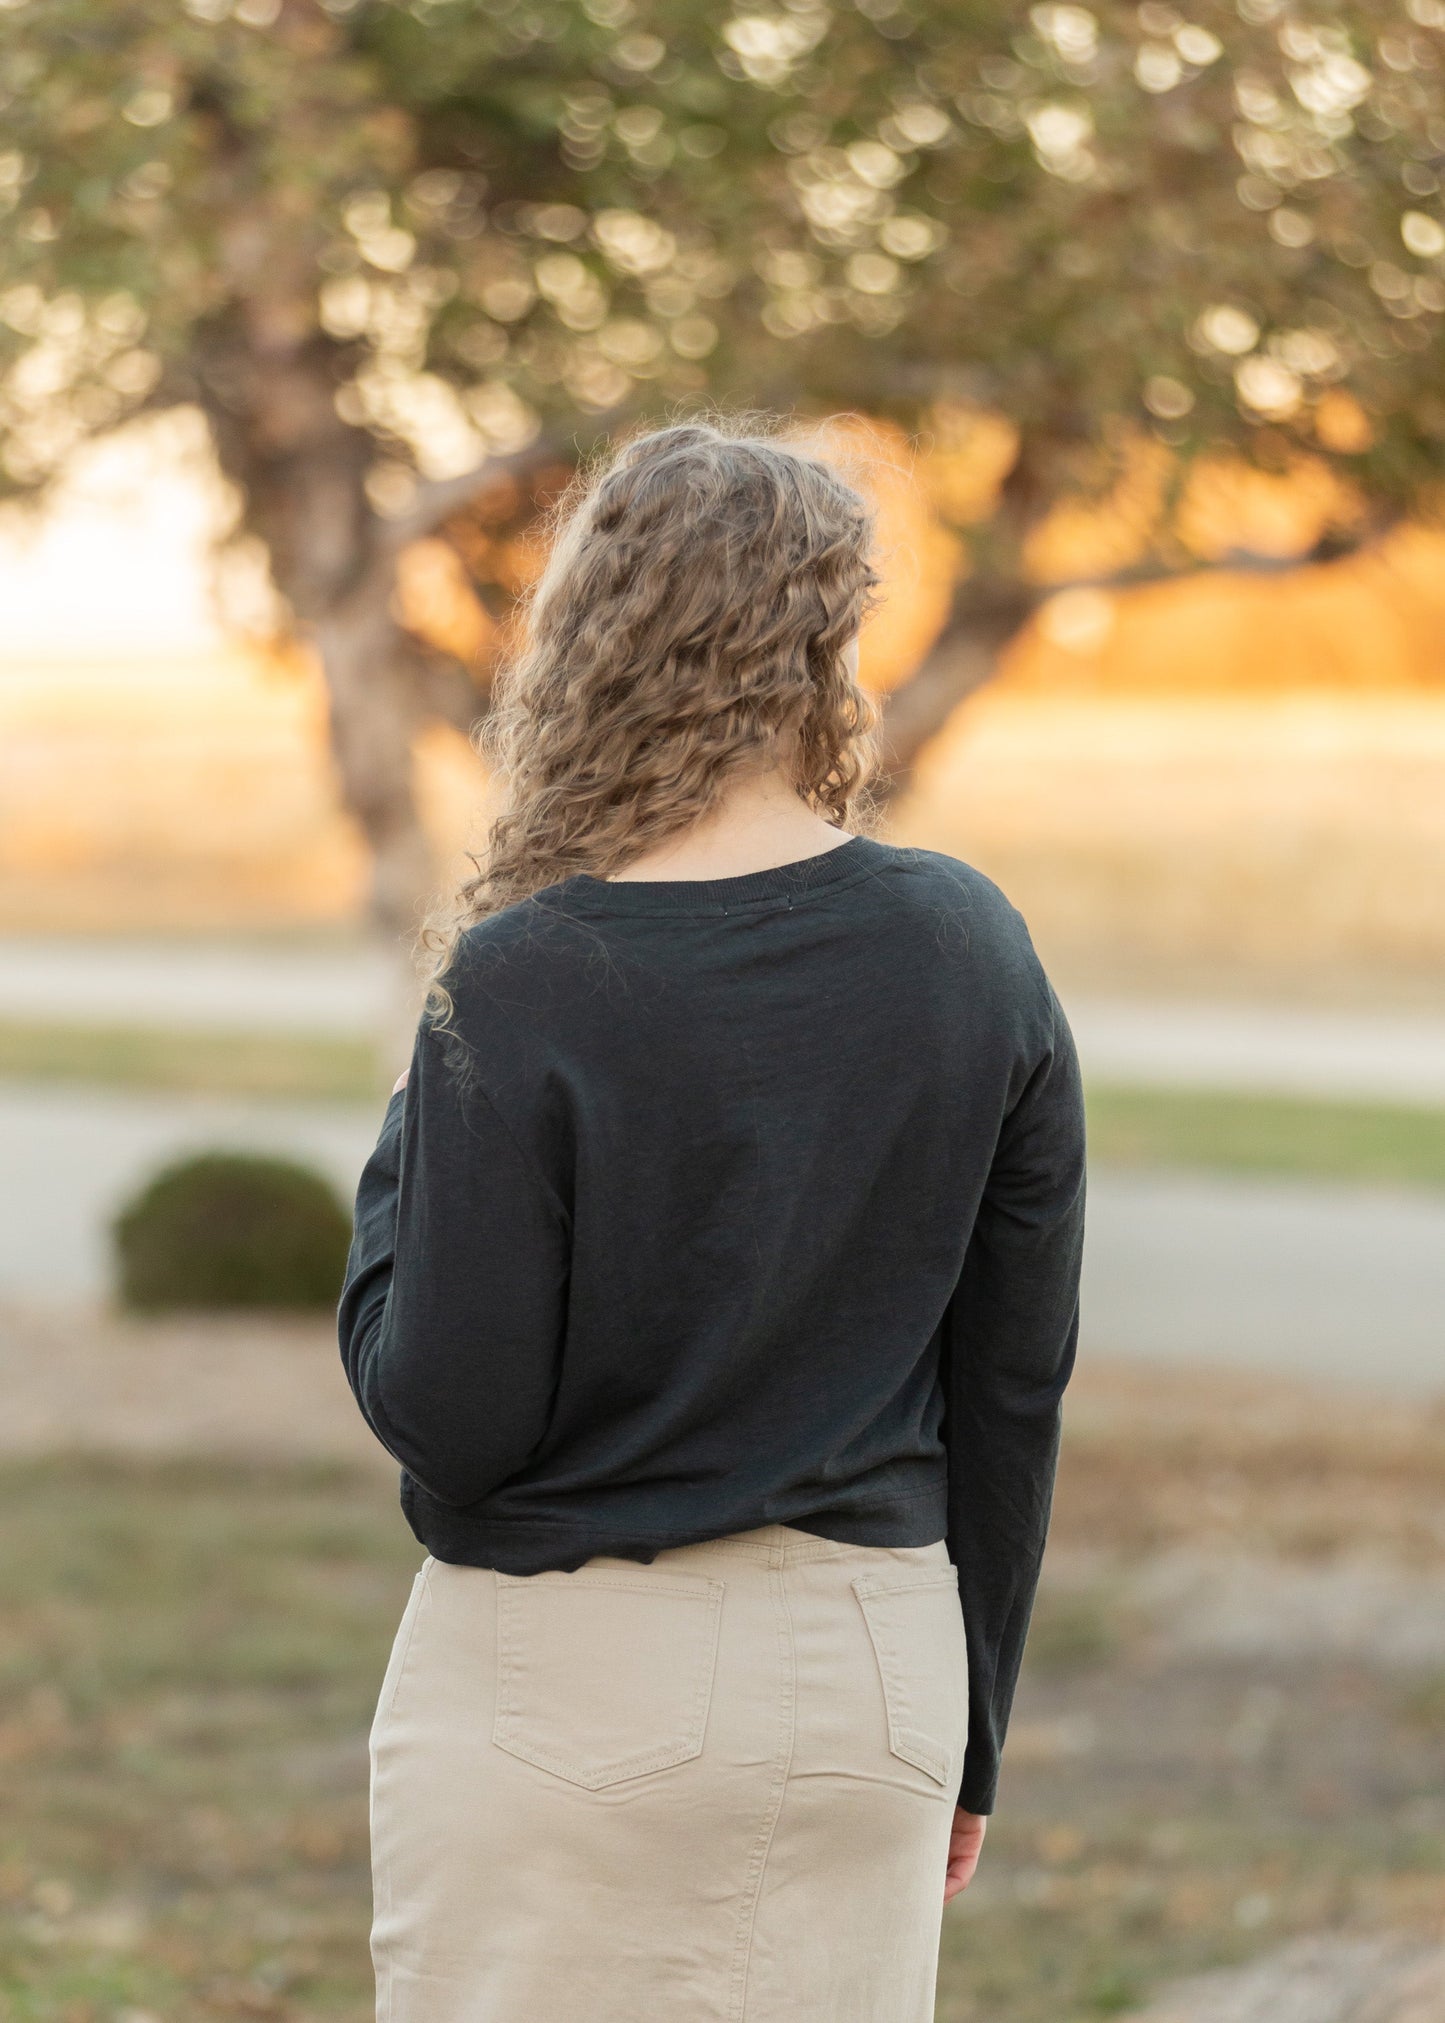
x=717, y=1788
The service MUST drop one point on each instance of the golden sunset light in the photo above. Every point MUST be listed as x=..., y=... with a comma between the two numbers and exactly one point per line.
x=722, y=1011
x=1143, y=771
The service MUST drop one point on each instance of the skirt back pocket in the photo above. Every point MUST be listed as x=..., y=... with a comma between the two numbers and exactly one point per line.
x=604, y=1675
x=916, y=1626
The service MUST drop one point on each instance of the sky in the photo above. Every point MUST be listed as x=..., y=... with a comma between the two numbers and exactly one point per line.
x=118, y=564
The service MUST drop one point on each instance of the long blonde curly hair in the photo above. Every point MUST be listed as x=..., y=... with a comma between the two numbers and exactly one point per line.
x=702, y=585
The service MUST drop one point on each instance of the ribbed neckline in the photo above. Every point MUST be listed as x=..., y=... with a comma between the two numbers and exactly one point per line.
x=781, y=884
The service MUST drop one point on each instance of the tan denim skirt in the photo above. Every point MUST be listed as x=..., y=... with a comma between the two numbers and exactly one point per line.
x=713, y=1789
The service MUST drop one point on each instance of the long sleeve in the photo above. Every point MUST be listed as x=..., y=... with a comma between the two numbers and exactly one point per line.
x=452, y=1311
x=1011, y=1333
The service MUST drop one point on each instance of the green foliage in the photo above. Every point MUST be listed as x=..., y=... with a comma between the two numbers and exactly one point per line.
x=486, y=217
x=229, y=1229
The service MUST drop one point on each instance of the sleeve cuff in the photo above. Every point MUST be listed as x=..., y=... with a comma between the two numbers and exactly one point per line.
x=978, y=1792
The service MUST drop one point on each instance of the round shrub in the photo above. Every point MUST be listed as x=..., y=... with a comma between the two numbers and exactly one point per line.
x=232, y=1229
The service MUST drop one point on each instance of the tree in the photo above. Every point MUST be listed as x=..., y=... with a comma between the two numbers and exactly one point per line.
x=410, y=260
x=349, y=234
x=1146, y=239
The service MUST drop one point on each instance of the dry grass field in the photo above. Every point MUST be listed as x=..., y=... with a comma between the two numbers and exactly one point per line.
x=1289, y=839
x=1291, y=842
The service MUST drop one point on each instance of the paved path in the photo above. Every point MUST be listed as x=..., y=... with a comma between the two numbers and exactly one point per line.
x=1389, y=1056
x=194, y=985
x=1335, y=1282
x=1385, y=1056
x=1289, y=1277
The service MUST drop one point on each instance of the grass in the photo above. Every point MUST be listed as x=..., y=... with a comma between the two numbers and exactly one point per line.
x=1072, y=1633
x=294, y=1065
x=1213, y=1131
x=191, y=1658
x=1201, y=1130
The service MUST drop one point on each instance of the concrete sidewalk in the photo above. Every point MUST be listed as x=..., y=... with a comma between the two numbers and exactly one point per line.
x=197, y=986
x=1394, y=1057
x=1293, y=1278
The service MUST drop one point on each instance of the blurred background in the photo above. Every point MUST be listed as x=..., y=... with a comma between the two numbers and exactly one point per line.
x=1130, y=322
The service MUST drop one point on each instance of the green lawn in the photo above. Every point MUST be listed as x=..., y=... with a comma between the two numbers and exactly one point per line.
x=190, y=1658
x=1204, y=1130
x=218, y=1063
x=189, y=1664
x=1223, y=1133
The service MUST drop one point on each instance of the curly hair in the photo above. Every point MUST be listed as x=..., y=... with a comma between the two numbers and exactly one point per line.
x=689, y=625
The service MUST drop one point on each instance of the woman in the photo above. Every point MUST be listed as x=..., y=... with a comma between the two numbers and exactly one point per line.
x=715, y=1283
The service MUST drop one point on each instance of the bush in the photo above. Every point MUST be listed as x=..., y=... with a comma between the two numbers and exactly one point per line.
x=231, y=1229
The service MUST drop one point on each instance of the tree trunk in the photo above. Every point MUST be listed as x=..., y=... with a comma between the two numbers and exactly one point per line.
x=962, y=659
x=372, y=720
x=301, y=473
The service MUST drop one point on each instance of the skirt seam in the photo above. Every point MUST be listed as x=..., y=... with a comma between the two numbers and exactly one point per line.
x=752, y=1888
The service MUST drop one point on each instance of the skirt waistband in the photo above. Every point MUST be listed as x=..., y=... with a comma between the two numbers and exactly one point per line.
x=787, y=1545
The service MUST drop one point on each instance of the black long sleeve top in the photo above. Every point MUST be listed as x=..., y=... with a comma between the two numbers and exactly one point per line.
x=734, y=1202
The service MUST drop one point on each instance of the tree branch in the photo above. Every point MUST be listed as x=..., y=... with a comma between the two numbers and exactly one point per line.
x=442, y=687
x=438, y=498
x=986, y=617
x=1334, y=545
x=963, y=658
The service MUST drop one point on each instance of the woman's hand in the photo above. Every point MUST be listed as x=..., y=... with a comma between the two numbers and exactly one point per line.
x=400, y=1082
x=965, y=1844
